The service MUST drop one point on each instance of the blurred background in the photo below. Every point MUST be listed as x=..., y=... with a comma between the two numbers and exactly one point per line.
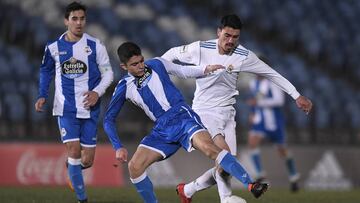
x=315, y=44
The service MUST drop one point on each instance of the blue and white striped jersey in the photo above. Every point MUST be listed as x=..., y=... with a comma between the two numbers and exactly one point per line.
x=269, y=99
x=156, y=94
x=78, y=67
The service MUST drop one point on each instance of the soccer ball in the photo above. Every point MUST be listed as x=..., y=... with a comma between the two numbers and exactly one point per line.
x=234, y=199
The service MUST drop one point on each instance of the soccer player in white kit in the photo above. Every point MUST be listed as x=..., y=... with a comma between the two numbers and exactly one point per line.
x=82, y=72
x=215, y=94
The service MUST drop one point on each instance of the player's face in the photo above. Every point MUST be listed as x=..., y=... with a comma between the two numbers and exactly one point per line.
x=228, y=39
x=135, y=66
x=76, y=23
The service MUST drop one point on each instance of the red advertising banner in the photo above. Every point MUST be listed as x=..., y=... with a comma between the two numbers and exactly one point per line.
x=44, y=164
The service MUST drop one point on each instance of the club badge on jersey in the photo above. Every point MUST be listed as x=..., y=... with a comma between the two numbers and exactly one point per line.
x=88, y=50
x=73, y=68
x=142, y=81
x=230, y=68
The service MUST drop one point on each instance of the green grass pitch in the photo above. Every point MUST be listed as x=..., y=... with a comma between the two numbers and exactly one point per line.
x=168, y=195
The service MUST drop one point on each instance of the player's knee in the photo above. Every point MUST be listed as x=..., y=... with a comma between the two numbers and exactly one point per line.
x=134, y=167
x=73, y=150
x=74, y=154
x=252, y=142
x=87, y=163
x=211, y=151
x=283, y=152
x=87, y=159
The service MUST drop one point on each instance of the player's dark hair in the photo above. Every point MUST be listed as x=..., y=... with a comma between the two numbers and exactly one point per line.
x=127, y=50
x=232, y=21
x=74, y=6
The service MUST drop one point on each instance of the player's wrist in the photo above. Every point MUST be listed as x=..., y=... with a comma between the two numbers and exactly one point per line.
x=97, y=92
x=42, y=97
x=295, y=95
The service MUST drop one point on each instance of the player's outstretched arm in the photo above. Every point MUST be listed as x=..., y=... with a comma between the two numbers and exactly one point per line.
x=212, y=68
x=304, y=104
x=187, y=71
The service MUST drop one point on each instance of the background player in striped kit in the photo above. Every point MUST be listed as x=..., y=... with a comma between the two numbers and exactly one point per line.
x=148, y=86
x=215, y=94
x=267, y=121
x=82, y=72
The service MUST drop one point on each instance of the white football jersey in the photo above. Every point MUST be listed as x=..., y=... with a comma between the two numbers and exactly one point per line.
x=219, y=89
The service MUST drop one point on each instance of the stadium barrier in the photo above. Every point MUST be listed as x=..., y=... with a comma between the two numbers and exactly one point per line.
x=25, y=164
x=321, y=168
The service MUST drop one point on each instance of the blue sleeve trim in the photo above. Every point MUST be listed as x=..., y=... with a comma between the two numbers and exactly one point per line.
x=116, y=103
x=47, y=72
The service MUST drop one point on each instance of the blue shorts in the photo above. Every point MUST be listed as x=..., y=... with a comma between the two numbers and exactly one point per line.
x=276, y=136
x=173, y=130
x=75, y=129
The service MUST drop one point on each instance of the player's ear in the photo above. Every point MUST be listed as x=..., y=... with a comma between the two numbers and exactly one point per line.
x=123, y=66
x=66, y=22
x=218, y=32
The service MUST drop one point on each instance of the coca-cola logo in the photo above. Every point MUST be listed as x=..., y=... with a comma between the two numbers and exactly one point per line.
x=34, y=168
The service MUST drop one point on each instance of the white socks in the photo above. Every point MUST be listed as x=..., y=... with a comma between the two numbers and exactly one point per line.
x=208, y=179
x=224, y=185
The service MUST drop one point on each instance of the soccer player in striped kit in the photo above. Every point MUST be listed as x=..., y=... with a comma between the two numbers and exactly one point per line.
x=214, y=96
x=82, y=71
x=148, y=86
x=267, y=121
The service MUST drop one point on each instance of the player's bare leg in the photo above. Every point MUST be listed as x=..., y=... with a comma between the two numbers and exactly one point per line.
x=294, y=176
x=254, y=141
x=87, y=157
x=211, y=177
x=205, y=144
x=223, y=179
x=141, y=160
x=74, y=169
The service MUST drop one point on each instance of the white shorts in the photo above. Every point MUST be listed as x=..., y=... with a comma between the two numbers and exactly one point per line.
x=220, y=120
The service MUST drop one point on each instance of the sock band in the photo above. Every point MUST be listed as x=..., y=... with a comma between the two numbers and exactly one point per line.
x=73, y=161
x=75, y=175
x=233, y=167
x=221, y=155
x=145, y=188
x=139, y=179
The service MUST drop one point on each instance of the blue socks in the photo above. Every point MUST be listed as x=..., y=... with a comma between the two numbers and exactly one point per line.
x=145, y=188
x=255, y=157
x=290, y=164
x=232, y=166
x=75, y=175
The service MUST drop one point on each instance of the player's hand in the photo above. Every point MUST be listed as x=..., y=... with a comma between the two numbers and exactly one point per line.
x=213, y=68
x=121, y=155
x=304, y=104
x=39, y=104
x=251, y=102
x=251, y=118
x=91, y=97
